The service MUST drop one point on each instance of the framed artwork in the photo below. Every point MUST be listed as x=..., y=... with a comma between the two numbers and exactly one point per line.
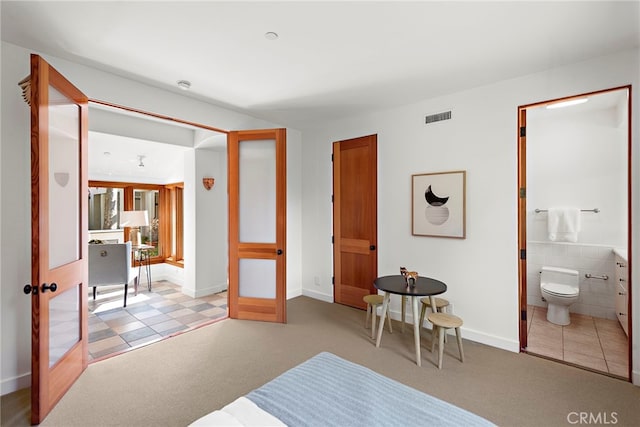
x=438, y=204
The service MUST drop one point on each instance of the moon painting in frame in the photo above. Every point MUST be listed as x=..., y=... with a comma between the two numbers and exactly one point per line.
x=438, y=204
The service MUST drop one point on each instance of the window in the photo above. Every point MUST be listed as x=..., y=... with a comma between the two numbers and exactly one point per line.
x=149, y=200
x=164, y=206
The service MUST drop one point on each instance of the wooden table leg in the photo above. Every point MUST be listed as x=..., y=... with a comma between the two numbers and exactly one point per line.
x=416, y=329
x=404, y=304
x=385, y=303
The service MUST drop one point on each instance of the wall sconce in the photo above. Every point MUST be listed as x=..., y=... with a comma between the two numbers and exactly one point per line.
x=208, y=183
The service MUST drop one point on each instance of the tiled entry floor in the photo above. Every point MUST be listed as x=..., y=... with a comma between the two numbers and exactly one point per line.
x=148, y=317
x=591, y=342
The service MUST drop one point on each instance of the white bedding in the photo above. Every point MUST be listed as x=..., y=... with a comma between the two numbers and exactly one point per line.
x=240, y=412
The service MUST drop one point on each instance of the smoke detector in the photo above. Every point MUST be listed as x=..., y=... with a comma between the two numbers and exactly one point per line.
x=184, y=84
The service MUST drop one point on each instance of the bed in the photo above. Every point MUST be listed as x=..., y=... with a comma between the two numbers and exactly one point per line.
x=327, y=390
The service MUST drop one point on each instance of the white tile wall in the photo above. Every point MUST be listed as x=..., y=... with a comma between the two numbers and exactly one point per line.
x=597, y=297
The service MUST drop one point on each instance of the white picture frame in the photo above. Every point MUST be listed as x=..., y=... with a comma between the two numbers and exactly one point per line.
x=438, y=205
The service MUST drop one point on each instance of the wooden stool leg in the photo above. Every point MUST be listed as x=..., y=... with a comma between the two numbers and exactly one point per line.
x=373, y=321
x=459, y=337
x=441, y=332
x=389, y=320
x=434, y=331
x=366, y=320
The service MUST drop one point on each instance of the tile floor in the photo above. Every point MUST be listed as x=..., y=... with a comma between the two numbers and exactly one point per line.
x=148, y=317
x=591, y=342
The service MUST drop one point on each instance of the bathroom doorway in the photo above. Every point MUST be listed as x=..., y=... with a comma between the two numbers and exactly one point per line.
x=574, y=154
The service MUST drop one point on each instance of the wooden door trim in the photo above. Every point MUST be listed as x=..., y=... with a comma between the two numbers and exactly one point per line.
x=522, y=226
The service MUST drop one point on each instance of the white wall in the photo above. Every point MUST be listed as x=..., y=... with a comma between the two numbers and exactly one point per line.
x=15, y=183
x=205, y=223
x=579, y=160
x=481, y=271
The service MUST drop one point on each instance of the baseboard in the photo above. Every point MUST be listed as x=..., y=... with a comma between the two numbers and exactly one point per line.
x=14, y=384
x=468, y=334
x=317, y=295
x=635, y=378
x=203, y=292
x=292, y=293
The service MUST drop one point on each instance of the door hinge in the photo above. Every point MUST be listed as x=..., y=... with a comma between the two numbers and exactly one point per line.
x=523, y=193
x=523, y=254
x=523, y=315
x=332, y=240
x=523, y=131
x=332, y=157
x=333, y=280
x=332, y=198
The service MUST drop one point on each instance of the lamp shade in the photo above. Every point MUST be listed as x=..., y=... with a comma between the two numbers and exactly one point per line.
x=134, y=219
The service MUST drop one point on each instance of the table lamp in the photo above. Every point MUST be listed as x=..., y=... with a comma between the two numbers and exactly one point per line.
x=134, y=220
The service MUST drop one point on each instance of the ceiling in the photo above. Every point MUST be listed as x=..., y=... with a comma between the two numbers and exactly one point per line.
x=331, y=59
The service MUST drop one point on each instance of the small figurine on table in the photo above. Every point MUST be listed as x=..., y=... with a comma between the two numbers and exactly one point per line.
x=410, y=277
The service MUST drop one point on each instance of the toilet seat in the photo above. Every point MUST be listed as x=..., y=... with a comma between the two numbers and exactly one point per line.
x=560, y=290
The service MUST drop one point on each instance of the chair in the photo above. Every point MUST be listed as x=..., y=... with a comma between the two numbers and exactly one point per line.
x=441, y=322
x=110, y=264
x=373, y=301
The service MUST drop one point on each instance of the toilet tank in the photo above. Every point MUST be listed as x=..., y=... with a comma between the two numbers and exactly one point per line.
x=559, y=275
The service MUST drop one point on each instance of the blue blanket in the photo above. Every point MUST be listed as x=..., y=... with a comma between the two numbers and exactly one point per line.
x=329, y=391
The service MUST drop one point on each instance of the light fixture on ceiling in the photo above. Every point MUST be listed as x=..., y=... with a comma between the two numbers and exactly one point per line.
x=184, y=84
x=140, y=162
x=270, y=35
x=568, y=103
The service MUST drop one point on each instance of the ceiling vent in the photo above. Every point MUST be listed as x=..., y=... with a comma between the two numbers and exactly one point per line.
x=432, y=118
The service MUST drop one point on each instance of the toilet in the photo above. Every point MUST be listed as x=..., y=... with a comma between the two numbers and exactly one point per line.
x=560, y=288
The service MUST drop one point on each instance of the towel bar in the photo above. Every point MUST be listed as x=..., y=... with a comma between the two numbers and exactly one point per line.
x=590, y=276
x=596, y=210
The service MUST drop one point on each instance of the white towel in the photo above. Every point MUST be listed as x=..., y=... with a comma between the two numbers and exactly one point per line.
x=563, y=224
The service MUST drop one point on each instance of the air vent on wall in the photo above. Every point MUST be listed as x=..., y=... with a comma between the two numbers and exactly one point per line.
x=432, y=118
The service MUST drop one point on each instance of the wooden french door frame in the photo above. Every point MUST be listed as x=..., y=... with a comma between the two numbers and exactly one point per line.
x=522, y=213
x=244, y=306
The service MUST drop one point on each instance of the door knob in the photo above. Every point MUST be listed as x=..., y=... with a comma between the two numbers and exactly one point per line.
x=279, y=252
x=52, y=287
x=28, y=289
x=372, y=247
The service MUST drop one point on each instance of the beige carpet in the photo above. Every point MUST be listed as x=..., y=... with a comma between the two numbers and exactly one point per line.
x=174, y=382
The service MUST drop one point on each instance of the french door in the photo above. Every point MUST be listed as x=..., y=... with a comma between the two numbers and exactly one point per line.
x=58, y=288
x=257, y=224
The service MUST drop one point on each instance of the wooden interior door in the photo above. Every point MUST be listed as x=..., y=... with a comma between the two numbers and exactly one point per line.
x=59, y=236
x=257, y=224
x=355, y=224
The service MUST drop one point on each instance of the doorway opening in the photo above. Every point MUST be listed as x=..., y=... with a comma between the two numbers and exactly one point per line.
x=574, y=214
x=141, y=157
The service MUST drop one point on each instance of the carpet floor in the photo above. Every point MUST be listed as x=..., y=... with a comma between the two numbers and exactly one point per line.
x=175, y=381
